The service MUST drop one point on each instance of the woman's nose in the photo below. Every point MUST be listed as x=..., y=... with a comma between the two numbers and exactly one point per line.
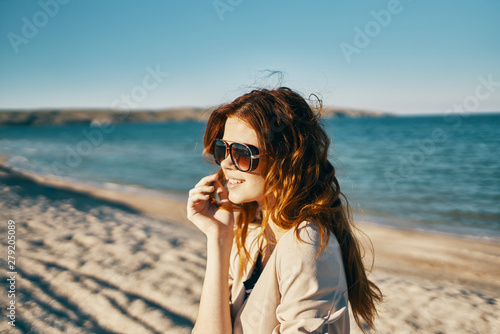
x=227, y=163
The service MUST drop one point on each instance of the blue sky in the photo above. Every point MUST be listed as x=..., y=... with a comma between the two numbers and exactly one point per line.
x=418, y=57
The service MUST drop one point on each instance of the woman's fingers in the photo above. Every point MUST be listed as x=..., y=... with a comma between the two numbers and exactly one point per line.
x=200, y=194
x=209, y=217
x=206, y=180
x=199, y=197
x=222, y=192
x=203, y=189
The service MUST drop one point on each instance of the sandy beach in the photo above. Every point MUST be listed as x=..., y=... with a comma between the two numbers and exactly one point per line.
x=90, y=260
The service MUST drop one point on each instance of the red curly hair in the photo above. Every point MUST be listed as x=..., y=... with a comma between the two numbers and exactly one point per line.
x=300, y=182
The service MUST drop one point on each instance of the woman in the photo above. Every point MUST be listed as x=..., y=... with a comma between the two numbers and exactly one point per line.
x=282, y=256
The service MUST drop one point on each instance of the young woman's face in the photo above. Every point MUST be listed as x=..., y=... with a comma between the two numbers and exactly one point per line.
x=243, y=187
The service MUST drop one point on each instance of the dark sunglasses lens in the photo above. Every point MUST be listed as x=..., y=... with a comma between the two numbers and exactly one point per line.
x=219, y=151
x=241, y=156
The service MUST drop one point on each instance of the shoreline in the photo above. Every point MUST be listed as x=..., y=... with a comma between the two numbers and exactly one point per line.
x=379, y=222
x=156, y=204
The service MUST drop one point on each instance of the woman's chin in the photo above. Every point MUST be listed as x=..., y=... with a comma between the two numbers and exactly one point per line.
x=236, y=198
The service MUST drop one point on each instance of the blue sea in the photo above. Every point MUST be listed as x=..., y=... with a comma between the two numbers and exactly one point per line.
x=421, y=172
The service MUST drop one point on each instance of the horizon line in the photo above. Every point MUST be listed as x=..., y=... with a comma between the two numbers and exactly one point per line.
x=389, y=113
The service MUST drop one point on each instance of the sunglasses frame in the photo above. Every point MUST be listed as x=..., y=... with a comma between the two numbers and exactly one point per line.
x=254, y=155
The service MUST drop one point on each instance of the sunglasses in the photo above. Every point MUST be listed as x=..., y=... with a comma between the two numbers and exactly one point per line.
x=244, y=157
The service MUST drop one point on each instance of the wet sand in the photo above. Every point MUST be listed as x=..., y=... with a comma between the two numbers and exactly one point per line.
x=105, y=261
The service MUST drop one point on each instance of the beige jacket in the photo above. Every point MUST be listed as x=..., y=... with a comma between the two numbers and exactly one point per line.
x=296, y=292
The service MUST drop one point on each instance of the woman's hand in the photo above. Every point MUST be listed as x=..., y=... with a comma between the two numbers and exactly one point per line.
x=216, y=220
x=213, y=221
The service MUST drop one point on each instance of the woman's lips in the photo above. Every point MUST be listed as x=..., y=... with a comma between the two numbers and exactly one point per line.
x=232, y=183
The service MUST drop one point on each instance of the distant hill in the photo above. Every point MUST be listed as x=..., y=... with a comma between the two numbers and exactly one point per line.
x=347, y=112
x=87, y=116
